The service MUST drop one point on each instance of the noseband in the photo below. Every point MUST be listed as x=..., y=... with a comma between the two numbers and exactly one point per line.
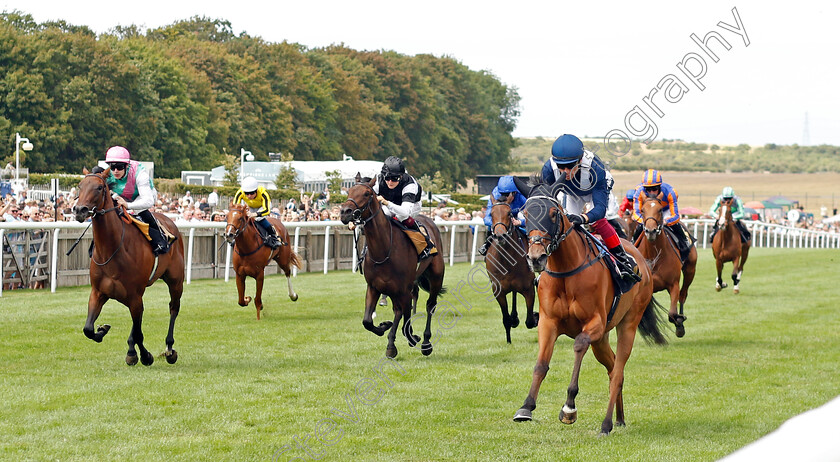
x=359, y=210
x=508, y=226
x=102, y=210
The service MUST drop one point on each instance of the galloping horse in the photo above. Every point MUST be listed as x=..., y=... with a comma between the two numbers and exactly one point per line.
x=123, y=265
x=251, y=255
x=391, y=266
x=727, y=247
x=576, y=295
x=629, y=224
x=508, y=268
x=664, y=258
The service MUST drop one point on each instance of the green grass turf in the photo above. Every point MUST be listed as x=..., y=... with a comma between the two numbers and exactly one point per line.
x=244, y=389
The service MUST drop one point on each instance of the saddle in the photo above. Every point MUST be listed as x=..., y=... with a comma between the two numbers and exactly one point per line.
x=144, y=227
x=420, y=238
x=691, y=240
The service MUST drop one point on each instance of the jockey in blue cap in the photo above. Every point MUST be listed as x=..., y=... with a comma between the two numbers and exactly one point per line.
x=505, y=191
x=587, y=184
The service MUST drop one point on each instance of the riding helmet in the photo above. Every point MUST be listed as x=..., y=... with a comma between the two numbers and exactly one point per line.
x=651, y=178
x=393, y=166
x=117, y=154
x=249, y=184
x=567, y=149
x=728, y=192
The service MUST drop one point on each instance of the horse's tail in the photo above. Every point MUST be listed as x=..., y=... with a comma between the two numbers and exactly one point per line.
x=423, y=282
x=651, y=323
x=295, y=260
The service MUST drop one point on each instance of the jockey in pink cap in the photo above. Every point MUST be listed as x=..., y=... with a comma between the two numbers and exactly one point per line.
x=133, y=189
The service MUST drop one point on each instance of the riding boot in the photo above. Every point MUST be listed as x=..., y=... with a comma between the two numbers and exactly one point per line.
x=714, y=231
x=745, y=233
x=160, y=245
x=682, y=241
x=271, y=237
x=430, y=249
x=626, y=264
x=638, y=232
x=486, y=246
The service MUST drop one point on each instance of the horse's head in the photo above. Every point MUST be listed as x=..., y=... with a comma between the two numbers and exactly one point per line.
x=725, y=212
x=237, y=221
x=361, y=204
x=94, y=194
x=652, y=218
x=500, y=215
x=547, y=224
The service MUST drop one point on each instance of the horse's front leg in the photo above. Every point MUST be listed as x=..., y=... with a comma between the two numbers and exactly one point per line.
x=240, y=288
x=258, y=296
x=95, y=303
x=371, y=297
x=547, y=334
x=736, y=274
x=501, y=299
x=533, y=318
x=719, y=284
x=399, y=304
x=568, y=415
x=136, y=336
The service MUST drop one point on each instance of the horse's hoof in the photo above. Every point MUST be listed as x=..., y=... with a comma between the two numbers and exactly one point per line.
x=514, y=322
x=147, y=359
x=103, y=329
x=523, y=415
x=568, y=417
x=603, y=434
x=426, y=349
x=717, y=287
x=245, y=302
x=131, y=360
x=532, y=321
x=293, y=297
x=680, y=330
x=171, y=356
x=391, y=352
x=736, y=291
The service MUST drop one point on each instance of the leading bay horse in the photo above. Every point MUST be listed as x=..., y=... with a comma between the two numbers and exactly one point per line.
x=123, y=265
x=251, y=255
x=391, y=266
x=727, y=246
x=664, y=258
x=576, y=296
x=508, y=268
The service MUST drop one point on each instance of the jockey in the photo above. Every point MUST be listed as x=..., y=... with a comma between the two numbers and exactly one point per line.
x=505, y=191
x=653, y=187
x=728, y=197
x=259, y=206
x=587, y=183
x=133, y=189
x=627, y=202
x=401, y=195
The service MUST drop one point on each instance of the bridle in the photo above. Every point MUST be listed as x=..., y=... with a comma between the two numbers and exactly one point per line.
x=102, y=211
x=555, y=238
x=360, y=222
x=238, y=230
x=655, y=232
x=508, y=226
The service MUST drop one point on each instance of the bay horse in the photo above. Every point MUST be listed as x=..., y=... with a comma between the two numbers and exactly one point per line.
x=391, y=266
x=576, y=296
x=508, y=268
x=665, y=262
x=727, y=246
x=251, y=255
x=629, y=224
x=123, y=265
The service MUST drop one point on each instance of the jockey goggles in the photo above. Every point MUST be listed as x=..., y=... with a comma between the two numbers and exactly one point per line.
x=118, y=165
x=392, y=178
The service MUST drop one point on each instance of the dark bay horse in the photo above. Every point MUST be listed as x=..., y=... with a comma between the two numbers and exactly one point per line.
x=123, y=265
x=664, y=259
x=727, y=246
x=251, y=255
x=576, y=295
x=391, y=266
x=508, y=268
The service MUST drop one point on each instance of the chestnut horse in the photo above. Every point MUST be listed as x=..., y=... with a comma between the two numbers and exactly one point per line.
x=123, y=265
x=508, y=268
x=727, y=247
x=664, y=258
x=251, y=255
x=576, y=296
x=391, y=266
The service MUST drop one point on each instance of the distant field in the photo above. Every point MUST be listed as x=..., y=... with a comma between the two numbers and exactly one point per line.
x=699, y=189
x=243, y=389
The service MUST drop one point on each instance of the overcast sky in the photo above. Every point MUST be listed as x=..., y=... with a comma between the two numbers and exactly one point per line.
x=579, y=67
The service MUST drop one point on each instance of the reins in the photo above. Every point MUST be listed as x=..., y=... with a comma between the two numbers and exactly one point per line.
x=358, y=221
x=96, y=213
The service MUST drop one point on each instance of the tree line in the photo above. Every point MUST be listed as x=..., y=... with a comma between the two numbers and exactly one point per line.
x=189, y=95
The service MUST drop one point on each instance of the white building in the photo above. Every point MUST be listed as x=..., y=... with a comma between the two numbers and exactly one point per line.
x=311, y=175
